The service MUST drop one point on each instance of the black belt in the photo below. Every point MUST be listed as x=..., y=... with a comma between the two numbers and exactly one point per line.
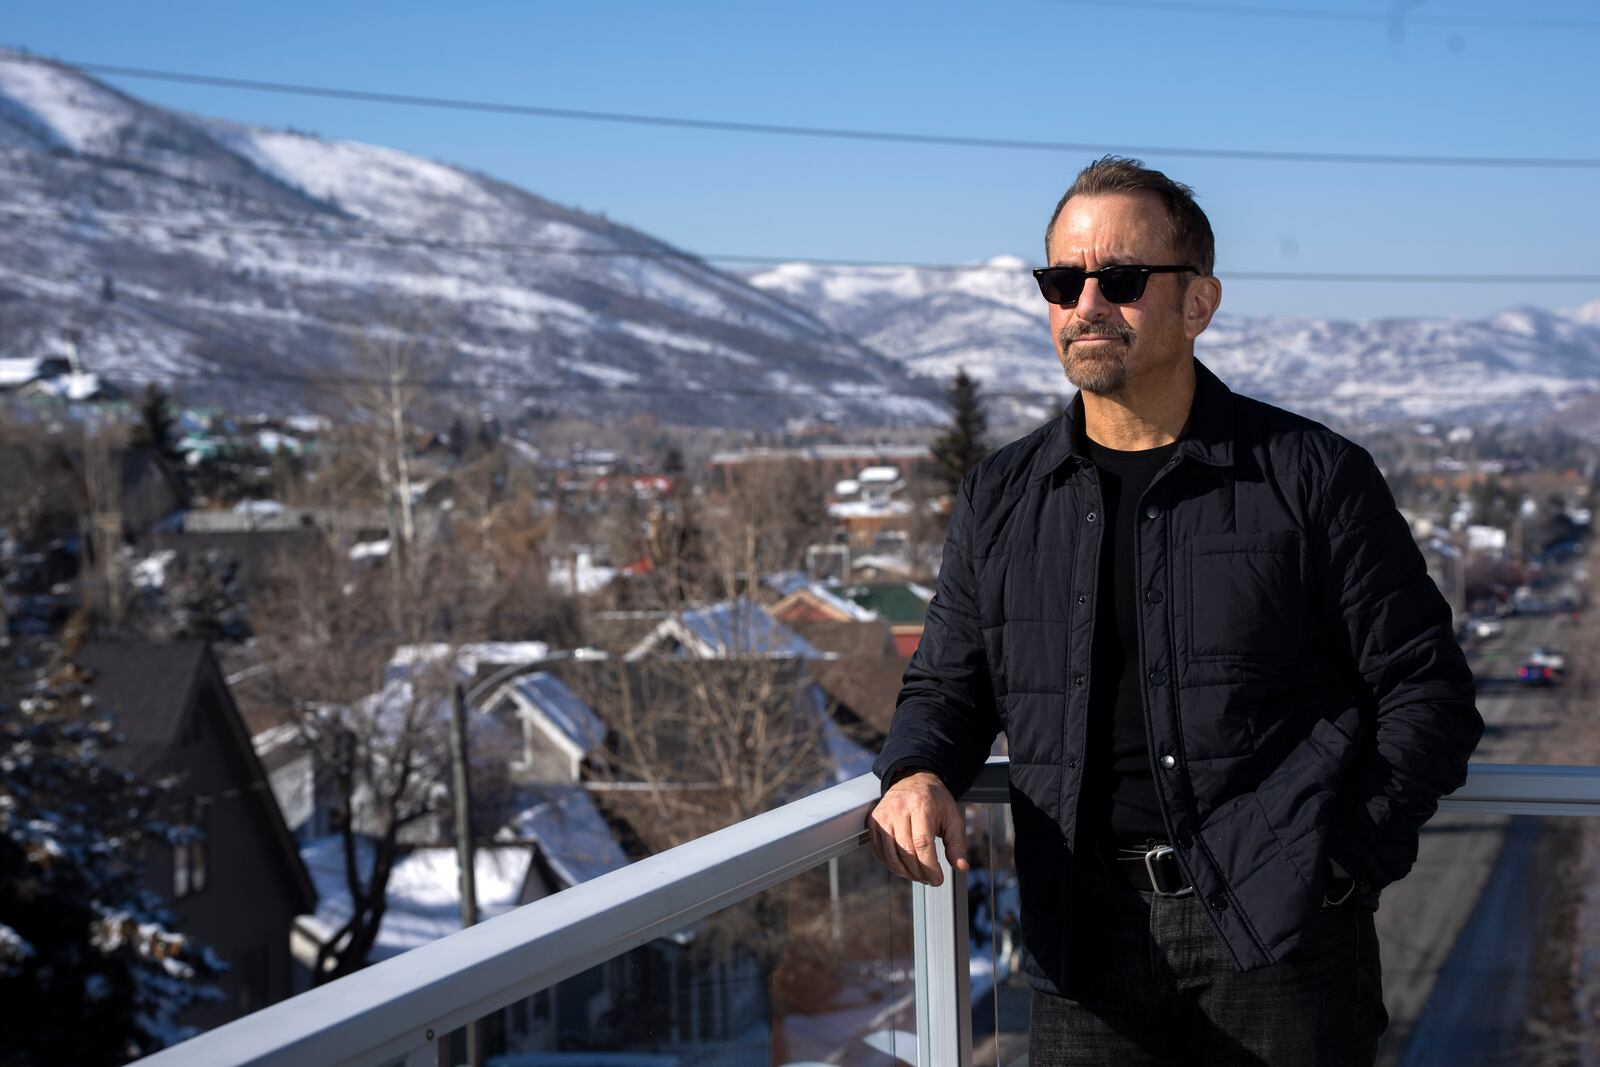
x=1151, y=865
x=1154, y=865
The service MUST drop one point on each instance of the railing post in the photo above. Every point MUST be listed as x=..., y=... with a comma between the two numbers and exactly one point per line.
x=944, y=982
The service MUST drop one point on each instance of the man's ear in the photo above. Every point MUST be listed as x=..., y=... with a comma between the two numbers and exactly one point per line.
x=1200, y=301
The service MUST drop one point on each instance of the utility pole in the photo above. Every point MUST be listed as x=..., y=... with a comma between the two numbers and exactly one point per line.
x=464, y=852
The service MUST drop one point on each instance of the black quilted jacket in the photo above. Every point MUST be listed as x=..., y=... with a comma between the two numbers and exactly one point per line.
x=1304, y=696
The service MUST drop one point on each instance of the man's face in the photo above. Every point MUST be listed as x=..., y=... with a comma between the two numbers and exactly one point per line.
x=1102, y=345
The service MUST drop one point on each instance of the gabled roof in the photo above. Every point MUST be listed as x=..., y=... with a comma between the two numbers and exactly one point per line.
x=828, y=601
x=785, y=582
x=738, y=627
x=573, y=837
x=152, y=689
x=149, y=688
x=562, y=707
x=902, y=603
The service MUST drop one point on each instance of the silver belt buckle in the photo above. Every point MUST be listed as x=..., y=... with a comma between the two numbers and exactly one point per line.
x=1150, y=858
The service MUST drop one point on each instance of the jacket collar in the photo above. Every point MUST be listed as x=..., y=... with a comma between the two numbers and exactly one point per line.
x=1208, y=437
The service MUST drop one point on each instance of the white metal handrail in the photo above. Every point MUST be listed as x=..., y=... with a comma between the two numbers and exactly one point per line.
x=387, y=1010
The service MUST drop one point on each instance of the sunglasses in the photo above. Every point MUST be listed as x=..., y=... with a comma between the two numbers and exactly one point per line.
x=1119, y=285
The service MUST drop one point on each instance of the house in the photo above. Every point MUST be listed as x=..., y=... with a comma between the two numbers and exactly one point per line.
x=829, y=621
x=238, y=886
x=559, y=731
x=738, y=627
x=904, y=604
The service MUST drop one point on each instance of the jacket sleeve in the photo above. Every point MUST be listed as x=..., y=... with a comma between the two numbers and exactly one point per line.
x=1380, y=604
x=945, y=718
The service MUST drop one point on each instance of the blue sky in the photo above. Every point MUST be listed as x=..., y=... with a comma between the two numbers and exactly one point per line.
x=1032, y=69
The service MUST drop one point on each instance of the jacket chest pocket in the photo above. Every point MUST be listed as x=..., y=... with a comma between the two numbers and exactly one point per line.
x=1247, y=596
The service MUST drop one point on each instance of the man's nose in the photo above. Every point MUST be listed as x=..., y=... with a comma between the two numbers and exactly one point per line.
x=1092, y=305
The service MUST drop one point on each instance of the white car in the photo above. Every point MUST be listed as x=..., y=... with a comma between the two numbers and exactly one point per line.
x=1485, y=628
x=1545, y=656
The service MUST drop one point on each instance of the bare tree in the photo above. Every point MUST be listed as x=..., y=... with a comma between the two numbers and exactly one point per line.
x=377, y=729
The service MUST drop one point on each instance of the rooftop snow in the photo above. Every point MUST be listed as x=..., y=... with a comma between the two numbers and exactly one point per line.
x=572, y=835
x=734, y=627
x=562, y=707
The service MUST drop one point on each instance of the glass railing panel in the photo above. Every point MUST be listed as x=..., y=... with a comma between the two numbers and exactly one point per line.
x=1000, y=998
x=1536, y=674
x=1487, y=945
x=817, y=969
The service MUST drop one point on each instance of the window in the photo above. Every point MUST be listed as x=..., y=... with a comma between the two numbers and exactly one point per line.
x=190, y=863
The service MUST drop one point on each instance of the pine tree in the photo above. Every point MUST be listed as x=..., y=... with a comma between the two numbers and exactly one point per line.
x=91, y=969
x=155, y=428
x=960, y=447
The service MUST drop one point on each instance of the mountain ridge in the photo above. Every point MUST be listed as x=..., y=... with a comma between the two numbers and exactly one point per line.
x=196, y=249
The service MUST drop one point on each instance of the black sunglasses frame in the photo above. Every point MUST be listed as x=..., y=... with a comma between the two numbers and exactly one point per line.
x=1137, y=275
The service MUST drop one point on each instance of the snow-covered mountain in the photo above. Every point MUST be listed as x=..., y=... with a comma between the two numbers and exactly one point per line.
x=1524, y=364
x=234, y=259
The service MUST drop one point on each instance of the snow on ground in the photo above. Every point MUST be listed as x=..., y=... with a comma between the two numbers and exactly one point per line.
x=395, y=188
x=68, y=109
x=150, y=573
x=424, y=898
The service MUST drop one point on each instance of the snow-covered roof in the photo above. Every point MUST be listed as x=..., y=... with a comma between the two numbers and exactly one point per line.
x=468, y=657
x=370, y=549
x=785, y=582
x=867, y=509
x=74, y=385
x=424, y=898
x=572, y=835
x=744, y=627
x=589, y=576
x=15, y=372
x=562, y=708
x=846, y=759
x=879, y=475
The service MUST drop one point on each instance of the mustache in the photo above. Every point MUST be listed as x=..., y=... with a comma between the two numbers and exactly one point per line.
x=1120, y=330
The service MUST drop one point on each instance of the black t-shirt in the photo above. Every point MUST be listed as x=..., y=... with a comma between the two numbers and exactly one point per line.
x=1118, y=800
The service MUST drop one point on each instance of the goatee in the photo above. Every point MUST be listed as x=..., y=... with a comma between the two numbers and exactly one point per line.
x=1102, y=370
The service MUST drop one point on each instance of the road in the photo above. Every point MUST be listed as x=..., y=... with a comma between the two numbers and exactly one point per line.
x=1453, y=933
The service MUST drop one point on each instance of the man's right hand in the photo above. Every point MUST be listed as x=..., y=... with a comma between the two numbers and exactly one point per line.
x=914, y=810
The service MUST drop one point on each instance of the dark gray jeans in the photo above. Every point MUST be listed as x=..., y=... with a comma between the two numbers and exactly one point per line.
x=1161, y=988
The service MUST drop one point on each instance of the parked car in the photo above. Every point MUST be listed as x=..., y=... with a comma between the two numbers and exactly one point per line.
x=1534, y=674
x=1484, y=627
x=1546, y=656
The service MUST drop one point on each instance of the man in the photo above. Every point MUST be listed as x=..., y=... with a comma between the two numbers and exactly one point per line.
x=1230, y=691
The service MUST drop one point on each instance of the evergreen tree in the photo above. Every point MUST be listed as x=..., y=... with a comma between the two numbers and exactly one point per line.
x=91, y=969
x=960, y=447
x=155, y=428
x=672, y=461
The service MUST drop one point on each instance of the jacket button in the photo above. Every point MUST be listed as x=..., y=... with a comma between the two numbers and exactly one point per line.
x=1091, y=516
x=1185, y=841
x=1219, y=902
x=1153, y=596
x=1158, y=677
x=1083, y=598
x=1077, y=679
x=1168, y=761
x=1072, y=764
x=1151, y=511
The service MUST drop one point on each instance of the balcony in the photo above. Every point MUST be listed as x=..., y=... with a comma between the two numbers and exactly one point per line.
x=898, y=961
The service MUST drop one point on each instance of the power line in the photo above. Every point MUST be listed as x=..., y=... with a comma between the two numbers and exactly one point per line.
x=389, y=239
x=1486, y=22
x=815, y=132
